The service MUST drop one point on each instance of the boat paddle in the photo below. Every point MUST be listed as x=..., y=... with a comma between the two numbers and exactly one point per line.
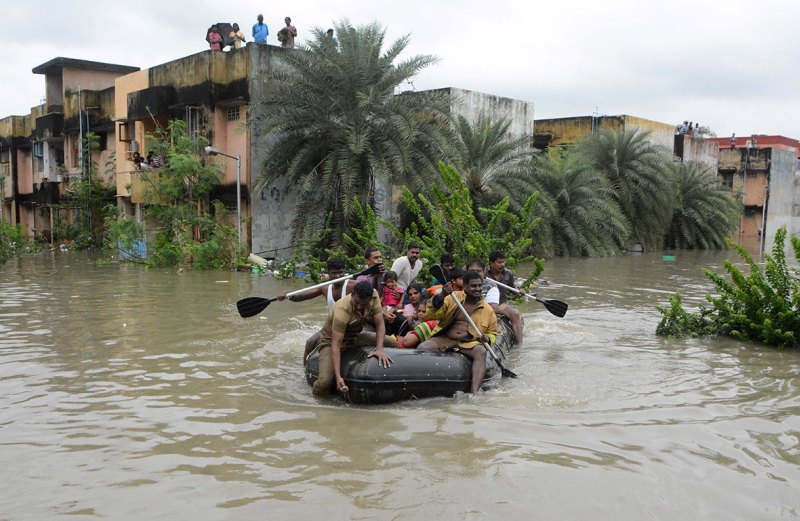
x=437, y=273
x=440, y=276
x=556, y=307
x=252, y=306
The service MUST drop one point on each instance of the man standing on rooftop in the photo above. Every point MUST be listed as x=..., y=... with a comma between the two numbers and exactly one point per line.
x=260, y=30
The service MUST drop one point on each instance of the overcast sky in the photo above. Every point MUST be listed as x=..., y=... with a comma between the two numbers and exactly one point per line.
x=732, y=65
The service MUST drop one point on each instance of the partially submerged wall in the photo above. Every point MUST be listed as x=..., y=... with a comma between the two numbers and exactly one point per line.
x=702, y=152
x=274, y=206
x=784, y=197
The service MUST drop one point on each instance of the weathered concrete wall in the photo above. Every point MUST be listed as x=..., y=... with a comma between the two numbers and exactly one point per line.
x=756, y=162
x=273, y=207
x=661, y=134
x=87, y=79
x=567, y=131
x=783, y=208
x=123, y=86
x=702, y=152
x=99, y=105
x=54, y=92
x=8, y=189
x=24, y=172
x=471, y=104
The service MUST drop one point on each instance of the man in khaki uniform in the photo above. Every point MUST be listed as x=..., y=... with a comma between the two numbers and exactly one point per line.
x=343, y=330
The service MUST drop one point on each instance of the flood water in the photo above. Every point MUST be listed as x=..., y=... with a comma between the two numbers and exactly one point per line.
x=128, y=394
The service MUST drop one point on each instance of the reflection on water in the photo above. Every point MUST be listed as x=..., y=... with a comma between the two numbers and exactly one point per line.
x=131, y=394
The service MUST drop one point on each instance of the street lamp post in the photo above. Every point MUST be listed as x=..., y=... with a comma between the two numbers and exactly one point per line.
x=211, y=151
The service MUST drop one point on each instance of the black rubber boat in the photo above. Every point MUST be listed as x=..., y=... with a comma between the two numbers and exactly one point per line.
x=413, y=374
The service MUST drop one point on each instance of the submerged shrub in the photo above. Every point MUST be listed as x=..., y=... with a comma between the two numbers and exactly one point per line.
x=763, y=306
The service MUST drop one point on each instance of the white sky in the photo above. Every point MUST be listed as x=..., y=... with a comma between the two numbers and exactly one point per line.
x=730, y=65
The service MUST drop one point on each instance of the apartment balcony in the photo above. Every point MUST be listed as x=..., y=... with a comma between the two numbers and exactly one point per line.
x=50, y=126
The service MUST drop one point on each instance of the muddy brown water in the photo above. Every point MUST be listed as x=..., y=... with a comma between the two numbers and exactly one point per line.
x=133, y=394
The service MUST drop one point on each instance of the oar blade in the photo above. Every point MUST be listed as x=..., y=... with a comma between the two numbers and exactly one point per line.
x=556, y=307
x=252, y=306
x=372, y=270
x=507, y=373
x=437, y=273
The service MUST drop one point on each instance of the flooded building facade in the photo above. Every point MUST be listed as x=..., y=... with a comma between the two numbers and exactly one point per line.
x=40, y=153
x=767, y=182
x=214, y=93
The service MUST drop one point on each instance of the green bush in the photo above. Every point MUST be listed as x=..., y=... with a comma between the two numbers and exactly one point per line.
x=447, y=223
x=762, y=306
x=10, y=240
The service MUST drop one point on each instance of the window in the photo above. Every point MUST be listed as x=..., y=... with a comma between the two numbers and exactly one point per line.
x=727, y=180
x=38, y=149
x=125, y=133
x=193, y=121
x=233, y=113
x=76, y=152
x=102, y=140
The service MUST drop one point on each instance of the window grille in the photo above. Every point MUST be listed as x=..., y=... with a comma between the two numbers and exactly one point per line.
x=233, y=113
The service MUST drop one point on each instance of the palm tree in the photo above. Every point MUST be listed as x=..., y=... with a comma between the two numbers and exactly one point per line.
x=706, y=213
x=639, y=172
x=338, y=127
x=579, y=214
x=490, y=162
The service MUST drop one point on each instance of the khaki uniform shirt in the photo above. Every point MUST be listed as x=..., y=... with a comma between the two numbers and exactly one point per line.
x=345, y=319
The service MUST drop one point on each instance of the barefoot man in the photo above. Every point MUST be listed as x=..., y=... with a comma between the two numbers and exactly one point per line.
x=454, y=330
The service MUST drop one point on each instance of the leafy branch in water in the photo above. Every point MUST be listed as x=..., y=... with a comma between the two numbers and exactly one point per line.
x=763, y=306
x=447, y=222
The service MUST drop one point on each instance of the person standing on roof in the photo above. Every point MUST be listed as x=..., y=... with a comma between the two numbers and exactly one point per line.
x=215, y=39
x=260, y=30
x=287, y=34
x=237, y=36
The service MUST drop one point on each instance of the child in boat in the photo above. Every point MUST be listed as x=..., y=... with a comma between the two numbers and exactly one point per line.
x=421, y=332
x=456, y=278
x=391, y=294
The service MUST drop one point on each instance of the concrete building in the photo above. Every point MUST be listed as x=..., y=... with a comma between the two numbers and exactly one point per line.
x=567, y=131
x=213, y=92
x=761, y=141
x=471, y=104
x=777, y=177
x=767, y=184
x=40, y=153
